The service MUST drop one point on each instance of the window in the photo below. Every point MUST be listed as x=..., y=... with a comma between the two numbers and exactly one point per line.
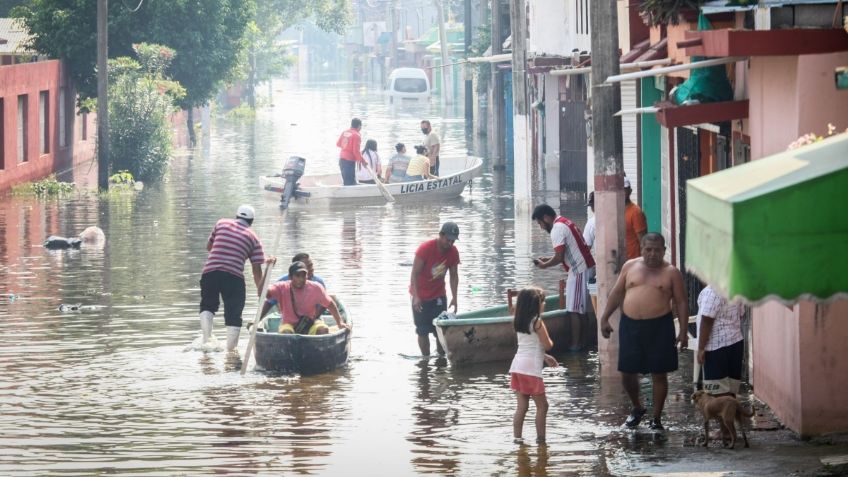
x=44, y=121
x=63, y=121
x=23, y=113
x=410, y=85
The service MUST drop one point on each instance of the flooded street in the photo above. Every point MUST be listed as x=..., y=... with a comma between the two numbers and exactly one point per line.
x=112, y=389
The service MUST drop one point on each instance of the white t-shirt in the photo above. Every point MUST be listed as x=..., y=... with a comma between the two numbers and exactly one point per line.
x=589, y=232
x=373, y=159
x=530, y=357
x=431, y=140
x=727, y=327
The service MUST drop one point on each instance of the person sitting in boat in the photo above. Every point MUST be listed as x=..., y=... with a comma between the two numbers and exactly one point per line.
x=310, y=270
x=419, y=166
x=369, y=154
x=301, y=303
x=396, y=172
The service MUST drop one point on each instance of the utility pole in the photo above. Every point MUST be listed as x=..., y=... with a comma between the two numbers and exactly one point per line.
x=391, y=17
x=496, y=98
x=447, y=86
x=609, y=167
x=102, y=99
x=469, y=88
x=522, y=157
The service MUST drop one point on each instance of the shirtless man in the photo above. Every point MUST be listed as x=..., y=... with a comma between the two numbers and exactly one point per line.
x=646, y=289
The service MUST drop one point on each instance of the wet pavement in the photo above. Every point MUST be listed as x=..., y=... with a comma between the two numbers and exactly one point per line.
x=113, y=390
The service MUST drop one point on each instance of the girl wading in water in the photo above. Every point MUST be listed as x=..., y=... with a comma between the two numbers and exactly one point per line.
x=530, y=358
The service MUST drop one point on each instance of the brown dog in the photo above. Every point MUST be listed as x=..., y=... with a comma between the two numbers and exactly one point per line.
x=726, y=410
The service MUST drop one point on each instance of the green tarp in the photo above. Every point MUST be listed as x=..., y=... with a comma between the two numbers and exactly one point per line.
x=775, y=227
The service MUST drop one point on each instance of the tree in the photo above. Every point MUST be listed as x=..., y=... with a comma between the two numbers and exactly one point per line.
x=265, y=57
x=206, y=34
x=141, y=99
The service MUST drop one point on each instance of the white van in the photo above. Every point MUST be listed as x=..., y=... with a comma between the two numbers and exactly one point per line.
x=408, y=85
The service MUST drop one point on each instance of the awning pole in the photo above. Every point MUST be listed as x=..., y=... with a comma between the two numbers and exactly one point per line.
x=675, y=68
x=629, y=66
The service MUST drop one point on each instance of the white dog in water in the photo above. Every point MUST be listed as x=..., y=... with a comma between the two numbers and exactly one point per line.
x=93, y=237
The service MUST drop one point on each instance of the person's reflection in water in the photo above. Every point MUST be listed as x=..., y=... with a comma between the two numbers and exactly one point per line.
x=433, y=418
x=526, y=466
x=351, y=245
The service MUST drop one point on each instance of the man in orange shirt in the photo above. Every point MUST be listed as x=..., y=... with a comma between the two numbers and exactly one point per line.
x=350, y=142
x=635, y=224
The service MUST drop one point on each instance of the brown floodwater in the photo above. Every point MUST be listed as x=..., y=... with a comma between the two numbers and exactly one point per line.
x=113, y=390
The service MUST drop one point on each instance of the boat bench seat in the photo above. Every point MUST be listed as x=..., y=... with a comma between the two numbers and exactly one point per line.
x=512, y=292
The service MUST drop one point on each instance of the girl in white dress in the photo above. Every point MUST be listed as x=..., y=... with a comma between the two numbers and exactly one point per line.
x=526, y=369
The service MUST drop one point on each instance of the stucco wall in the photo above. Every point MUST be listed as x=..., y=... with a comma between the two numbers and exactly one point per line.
x=773, y=105
x=549, y=28
x=776, y=365
x=819, y=102
x=824, y=359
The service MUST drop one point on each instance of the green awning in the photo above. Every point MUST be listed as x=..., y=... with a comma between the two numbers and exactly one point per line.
x=775, y=227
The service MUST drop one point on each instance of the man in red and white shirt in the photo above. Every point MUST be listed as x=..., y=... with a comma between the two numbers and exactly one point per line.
x=350, y=142
x=571, y=251
x=721, y=346
x=231, y=243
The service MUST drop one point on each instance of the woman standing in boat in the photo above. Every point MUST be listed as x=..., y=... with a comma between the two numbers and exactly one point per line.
x=526, y=369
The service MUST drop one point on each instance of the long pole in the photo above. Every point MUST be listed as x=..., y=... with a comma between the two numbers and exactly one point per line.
x=447, y=87
x=609, y=166
x=496, y=96
x=469, y=91
x=102, y=98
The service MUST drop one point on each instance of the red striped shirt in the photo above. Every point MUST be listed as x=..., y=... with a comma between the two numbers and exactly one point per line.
x=566, y=236
x=233, y=242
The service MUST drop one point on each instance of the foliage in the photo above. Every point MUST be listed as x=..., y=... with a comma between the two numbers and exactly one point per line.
x=141, y=101
x=7, y=5
x=666, y=12
x=206, y=36
x=482, y=42
x=811, y=138
x=124, y=178
x=48, y=187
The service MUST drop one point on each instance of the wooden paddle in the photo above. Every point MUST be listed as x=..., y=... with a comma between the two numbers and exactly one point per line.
x=383, y=190
x=262, y=294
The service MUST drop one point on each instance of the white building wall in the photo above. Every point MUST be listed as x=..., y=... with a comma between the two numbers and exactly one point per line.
x=551, y=126
x=629, y=137
x=549, y=28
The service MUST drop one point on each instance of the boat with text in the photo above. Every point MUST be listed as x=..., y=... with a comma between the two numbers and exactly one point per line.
x=293, y=189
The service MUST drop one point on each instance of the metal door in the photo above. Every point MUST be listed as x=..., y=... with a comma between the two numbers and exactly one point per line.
x=572, y=135
x=688, y=167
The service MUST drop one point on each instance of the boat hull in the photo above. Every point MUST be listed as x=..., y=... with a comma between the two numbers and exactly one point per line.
x=302, y=354
x=326, y=189
x=488, y=335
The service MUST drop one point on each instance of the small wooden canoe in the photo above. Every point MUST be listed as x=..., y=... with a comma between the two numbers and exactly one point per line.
x=488, y=334
x=303, y=354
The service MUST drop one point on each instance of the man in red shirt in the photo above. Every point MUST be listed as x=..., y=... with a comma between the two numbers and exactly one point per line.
x=433, y=259
x=635, y=223
x=351, y=153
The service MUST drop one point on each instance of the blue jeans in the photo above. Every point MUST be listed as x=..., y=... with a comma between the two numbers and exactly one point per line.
x=348, y=169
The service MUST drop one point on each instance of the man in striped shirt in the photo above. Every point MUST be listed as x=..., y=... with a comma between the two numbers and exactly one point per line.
x=230, y=244
x=571, y=251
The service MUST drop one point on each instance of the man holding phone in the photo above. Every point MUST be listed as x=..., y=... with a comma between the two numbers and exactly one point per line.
x=570, y=251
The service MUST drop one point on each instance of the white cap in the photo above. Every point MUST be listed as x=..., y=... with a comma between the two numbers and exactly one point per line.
x=627, y=183
x=246, y=212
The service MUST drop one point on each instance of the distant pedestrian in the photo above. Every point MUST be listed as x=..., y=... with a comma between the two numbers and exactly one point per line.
x=589, y=235
x=398, y=164
x=635, y=223
x=721, y=345
x=526, y=369
x=350, y=142
x=433, y=145
x=230, y=244
x=645, y=290
x=369, y=156
x=433, y=260
x=570, y=251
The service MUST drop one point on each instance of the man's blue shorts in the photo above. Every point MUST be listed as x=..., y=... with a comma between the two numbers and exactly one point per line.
x=430, y=309
x=647, y=346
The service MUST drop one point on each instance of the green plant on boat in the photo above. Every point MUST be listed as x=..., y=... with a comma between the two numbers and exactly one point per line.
x=47, y=187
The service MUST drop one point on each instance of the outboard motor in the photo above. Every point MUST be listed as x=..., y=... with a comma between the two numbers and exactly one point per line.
x=292, y=172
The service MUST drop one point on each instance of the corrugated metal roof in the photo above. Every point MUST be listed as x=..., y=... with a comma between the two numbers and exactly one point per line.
x=719, y=6
x=12, y=30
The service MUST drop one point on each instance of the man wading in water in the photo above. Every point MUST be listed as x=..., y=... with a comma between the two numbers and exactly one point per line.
x=645, y=291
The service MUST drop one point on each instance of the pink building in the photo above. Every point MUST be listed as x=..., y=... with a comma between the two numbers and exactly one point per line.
x=40, y=130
